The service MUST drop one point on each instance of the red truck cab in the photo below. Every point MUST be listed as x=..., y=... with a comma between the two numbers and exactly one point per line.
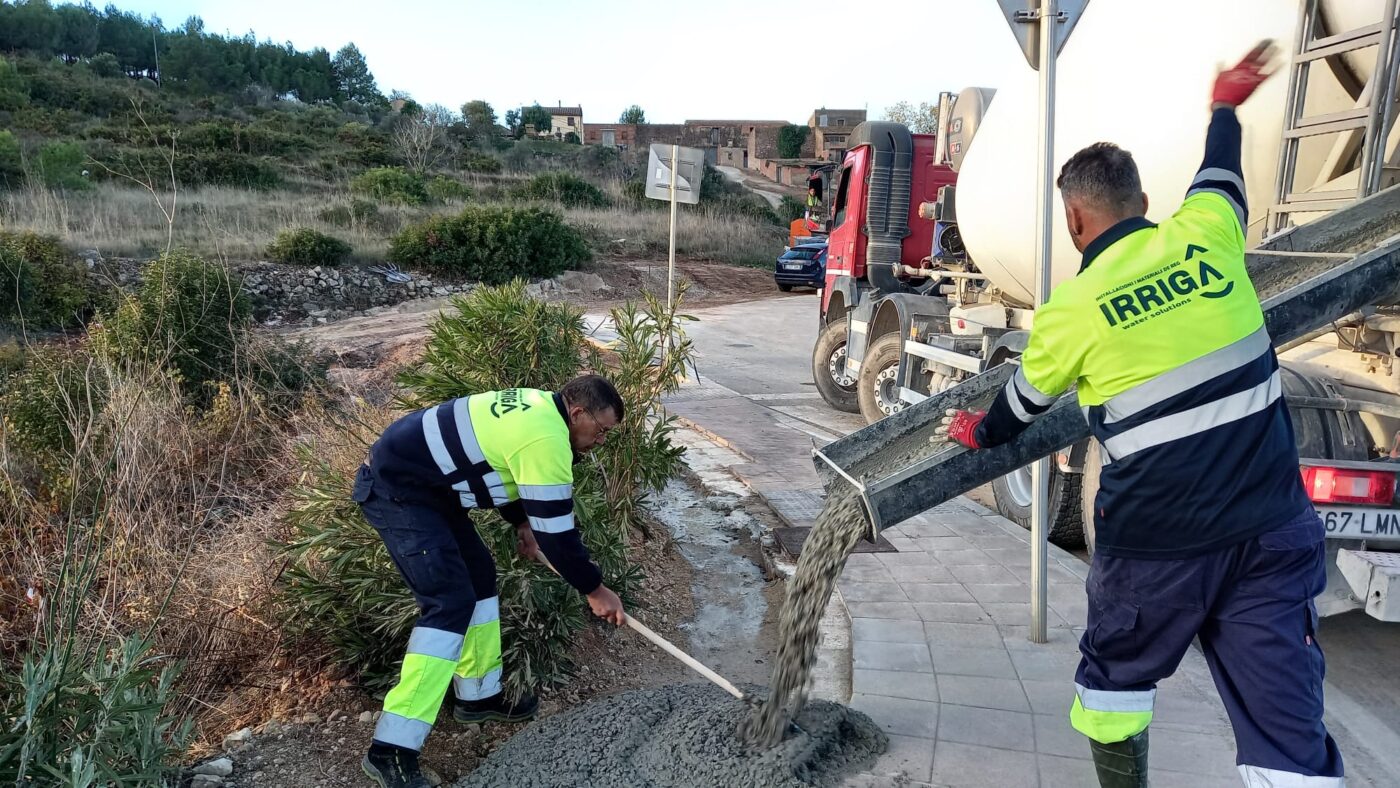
x=875, y=220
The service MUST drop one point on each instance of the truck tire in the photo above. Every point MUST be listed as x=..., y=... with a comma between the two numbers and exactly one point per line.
x=829, y=351
x=878, y=382
x=1012, y=493
x=1089, y=490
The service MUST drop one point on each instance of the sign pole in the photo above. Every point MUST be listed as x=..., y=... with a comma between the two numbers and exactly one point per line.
x=1040, y=471
x=671, y=264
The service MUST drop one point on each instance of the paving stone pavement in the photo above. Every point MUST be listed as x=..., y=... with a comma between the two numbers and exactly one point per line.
x=941, y=658
x=939, y=644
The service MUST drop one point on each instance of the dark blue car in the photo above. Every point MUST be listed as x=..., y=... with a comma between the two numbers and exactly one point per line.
x=803, y=265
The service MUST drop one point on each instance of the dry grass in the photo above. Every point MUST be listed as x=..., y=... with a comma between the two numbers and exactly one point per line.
x=700, y=233
x=238, y=224
x=167, y=528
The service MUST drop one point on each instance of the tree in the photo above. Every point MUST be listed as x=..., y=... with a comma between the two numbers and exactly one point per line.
x=480, y=119
x=513, y=122
x=537, y=118
x=421, y=139
x=922, y=119
x=353, y=79
x=633, y=114
x=790, y=141
x=77, y=31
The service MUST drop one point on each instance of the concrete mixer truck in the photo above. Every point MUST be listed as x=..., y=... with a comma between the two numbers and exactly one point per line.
x=931, y=249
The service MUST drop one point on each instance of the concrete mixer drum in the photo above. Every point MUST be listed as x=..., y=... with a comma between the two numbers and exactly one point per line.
x=968, y=109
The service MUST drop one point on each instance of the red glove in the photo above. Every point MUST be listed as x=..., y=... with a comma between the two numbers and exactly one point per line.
x=962, y=427
x=1233, y=87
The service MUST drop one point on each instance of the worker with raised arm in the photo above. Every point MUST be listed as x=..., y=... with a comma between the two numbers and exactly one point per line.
x=510, y=450
x=1203, y=528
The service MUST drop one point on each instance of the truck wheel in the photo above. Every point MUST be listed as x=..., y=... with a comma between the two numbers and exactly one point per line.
x=1089, y=490
x=1013, y=496
x=878, y=381
x=785, y=288
x=828, y=356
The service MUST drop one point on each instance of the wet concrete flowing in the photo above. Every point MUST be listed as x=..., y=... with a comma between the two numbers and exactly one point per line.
x=838, y=528
x=679, y=735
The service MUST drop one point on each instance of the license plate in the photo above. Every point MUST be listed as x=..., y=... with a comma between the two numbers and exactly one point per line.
x=792, y=266
x=1360, y=523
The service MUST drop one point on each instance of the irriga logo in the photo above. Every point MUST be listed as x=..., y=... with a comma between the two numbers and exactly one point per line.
x=1152, y=297
x=507, y=401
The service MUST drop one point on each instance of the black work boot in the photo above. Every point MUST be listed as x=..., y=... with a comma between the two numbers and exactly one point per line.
x=394, y=767
x=1122, y=764
x=495, y=708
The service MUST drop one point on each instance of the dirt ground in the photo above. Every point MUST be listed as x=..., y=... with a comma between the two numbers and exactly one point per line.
x=363, y=341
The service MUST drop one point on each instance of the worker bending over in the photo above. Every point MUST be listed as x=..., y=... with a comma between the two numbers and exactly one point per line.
x=512, y=451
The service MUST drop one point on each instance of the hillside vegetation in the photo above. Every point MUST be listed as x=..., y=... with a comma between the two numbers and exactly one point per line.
x=231, y=141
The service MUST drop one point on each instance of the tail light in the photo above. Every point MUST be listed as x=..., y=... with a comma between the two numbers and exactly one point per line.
x=1342, y=485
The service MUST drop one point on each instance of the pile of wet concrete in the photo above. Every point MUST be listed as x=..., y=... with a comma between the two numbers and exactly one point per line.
x=680, y=735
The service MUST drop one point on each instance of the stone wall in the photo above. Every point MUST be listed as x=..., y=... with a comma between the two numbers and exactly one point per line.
x=283, y=294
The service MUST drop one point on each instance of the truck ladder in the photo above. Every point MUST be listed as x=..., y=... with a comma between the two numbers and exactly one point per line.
x=1373, y=115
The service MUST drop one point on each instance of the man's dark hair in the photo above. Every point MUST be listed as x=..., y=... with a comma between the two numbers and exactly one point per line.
x=1105, y=176
x=594, y=393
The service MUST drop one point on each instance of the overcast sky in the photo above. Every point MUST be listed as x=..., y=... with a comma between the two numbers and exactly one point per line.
x=750, y=59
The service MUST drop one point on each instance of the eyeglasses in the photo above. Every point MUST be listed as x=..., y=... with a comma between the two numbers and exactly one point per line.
x=599, y=429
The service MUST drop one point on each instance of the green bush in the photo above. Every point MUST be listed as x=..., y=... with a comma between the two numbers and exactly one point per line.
x=336, y=215
x=498, y=337
x=284, y=372
x=40, y=394
x=41, y=286
x=88, y=713
x=492, y=244
x=392, y=185
x=189, y=316
x=305, y=246
x=340, y=587
x=358, y=211
x=472, y=161
x=61, y=165
x=105, y=64
x=14, y=94
x=790, y=210
x=444, y=189
x=564, y=188
x=225, y=168
x=11, y=161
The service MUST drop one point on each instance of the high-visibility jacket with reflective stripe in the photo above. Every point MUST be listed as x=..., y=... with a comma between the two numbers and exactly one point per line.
x=1163, y=333
x=506, y=450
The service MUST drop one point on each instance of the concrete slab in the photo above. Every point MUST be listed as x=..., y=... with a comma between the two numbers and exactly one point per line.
x=983, y=692
x=901, y=716
x=972, y=766
x=895, y=684
x=913, y=657
x=969, y=725
x=887, y=630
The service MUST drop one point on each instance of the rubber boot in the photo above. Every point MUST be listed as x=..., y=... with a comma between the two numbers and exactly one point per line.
x=396, y=769
x=1122, y=764
x=495, y=708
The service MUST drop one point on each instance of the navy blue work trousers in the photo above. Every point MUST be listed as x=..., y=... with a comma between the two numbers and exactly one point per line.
x=1251, y=605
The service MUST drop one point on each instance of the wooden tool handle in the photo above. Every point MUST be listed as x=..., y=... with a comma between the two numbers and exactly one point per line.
x=693, y=663
x=667, y=646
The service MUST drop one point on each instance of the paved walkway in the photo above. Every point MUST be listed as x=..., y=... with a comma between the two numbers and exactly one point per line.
x=939, y=653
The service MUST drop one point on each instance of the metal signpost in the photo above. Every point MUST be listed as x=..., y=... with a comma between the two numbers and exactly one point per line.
x=674, y=173
x=1041, y=27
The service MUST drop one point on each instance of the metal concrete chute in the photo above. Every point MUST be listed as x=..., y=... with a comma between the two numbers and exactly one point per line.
x=1306, y=278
